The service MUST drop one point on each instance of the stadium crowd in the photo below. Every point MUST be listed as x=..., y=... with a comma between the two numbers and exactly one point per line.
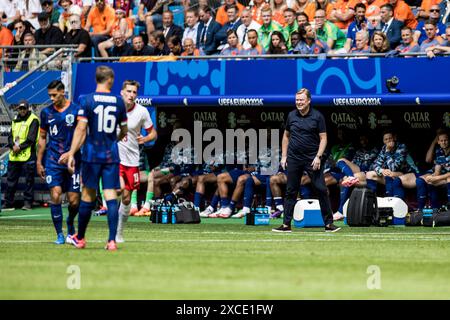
x=117, y=28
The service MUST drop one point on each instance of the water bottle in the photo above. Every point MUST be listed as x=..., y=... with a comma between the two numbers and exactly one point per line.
x=164, y=214
x=427, y=211
x=258, y=210
x=427, y=217
x=174, y=209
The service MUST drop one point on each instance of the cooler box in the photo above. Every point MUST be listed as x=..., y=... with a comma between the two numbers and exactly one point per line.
x=398, y=205
x=307, y=214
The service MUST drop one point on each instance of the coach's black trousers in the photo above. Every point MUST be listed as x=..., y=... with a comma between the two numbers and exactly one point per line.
x=15, y=170
x=295, y=171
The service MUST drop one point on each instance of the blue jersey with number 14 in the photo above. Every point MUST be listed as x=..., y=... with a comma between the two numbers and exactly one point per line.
x=60, y=127
x=103, y=113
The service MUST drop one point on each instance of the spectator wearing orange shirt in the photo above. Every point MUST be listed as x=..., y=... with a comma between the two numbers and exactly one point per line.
x=6, y=38
x=300, y=5
x=311, y=8
x=69, y=8
x=258, y=5
x=403, y=13
x=101, y=18
x=122, y=24
x=343, y=13
x=278, y=7
x=221, y=15
x=189, y=48
x=373, y=10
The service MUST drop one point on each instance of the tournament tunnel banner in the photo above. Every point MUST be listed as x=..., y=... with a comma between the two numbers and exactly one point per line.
x=246, y=82
x=351, y=93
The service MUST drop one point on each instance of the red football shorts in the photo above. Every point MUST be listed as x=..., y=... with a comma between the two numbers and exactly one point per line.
x=130, y=176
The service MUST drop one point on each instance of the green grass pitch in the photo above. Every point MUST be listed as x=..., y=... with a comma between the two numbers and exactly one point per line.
x=223, y=259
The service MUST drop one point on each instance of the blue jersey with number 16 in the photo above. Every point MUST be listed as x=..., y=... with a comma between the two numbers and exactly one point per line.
x=103, y=113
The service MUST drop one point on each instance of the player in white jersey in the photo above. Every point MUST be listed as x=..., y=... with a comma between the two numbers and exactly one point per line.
x=138, y=119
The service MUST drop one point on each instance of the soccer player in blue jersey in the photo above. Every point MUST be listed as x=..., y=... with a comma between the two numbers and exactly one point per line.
x=101, y=112
x=58, y=121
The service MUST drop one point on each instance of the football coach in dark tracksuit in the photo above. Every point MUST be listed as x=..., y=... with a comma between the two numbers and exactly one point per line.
x=303, y=146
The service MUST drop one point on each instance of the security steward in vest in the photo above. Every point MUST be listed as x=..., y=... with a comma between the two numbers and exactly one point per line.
x=22, y=142
x=303, y=146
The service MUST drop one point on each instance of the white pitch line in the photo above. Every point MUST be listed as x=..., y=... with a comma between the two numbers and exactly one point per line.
x=216, y=240
x=384, y=235
x=294, y=233
x=23, y=216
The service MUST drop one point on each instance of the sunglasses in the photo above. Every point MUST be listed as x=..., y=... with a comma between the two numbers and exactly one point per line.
x=73, y=22
x=435, y=10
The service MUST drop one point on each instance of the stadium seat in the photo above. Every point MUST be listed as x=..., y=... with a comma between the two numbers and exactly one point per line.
x=178, y=15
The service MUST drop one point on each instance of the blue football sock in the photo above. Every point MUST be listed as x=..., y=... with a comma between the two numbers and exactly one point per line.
x=372, y=185
x=57, y=217
x=344, y=195
x=224, y=202
x=215, y=201
x=389, y=186
x=278, y=201
x=170, y=197
x=422, y=191
x=448, y=192
x=198, y=199
x=434, y=197
x=268, y=193
x=232, y=205
x=397, y=188
x=113, y=218
x=249, y=192
x=73, y=211
x=305, y=192
x=84, y=216
x=345, y=169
